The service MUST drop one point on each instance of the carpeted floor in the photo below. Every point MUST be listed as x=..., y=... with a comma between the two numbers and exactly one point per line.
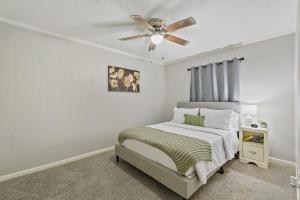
x=100, y=177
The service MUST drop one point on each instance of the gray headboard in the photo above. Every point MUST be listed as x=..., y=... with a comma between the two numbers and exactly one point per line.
x=235, y=106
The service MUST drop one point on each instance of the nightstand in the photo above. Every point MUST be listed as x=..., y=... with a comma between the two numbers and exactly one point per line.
x=254, y=146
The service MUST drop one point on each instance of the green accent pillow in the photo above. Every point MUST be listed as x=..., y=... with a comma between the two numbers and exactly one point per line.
x=194, y=120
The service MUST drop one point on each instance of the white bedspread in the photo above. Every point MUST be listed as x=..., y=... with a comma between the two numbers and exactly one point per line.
x=224, y=145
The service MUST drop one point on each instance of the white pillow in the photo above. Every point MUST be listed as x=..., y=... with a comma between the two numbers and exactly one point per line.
x=234, y=121
x=178, y=113
x=220, y=119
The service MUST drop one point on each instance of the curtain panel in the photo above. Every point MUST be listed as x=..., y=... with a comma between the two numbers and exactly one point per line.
x=216, y=82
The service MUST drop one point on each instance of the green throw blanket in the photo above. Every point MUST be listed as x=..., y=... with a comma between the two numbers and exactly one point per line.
x=184, y=151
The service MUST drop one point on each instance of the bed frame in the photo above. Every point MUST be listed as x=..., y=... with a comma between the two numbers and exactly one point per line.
x=182, y=185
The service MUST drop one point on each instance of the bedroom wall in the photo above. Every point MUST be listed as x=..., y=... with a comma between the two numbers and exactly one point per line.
x=54, y=102
x=297, y=99
x=266, y=79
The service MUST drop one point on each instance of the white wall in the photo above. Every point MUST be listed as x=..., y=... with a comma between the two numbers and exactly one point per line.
x=297, y=116
x=266, y=79
x=54, y=102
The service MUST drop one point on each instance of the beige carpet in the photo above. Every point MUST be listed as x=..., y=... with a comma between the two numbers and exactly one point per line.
x=100, y=177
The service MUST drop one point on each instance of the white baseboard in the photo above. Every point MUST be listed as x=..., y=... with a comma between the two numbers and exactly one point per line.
x=54, y=164
x=86, y=155
x=282, y=162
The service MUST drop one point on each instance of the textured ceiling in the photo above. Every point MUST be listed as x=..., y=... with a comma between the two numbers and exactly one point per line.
x=219, y=22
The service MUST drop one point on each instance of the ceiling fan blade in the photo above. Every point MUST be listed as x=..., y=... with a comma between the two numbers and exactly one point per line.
x=175, y=39
x=141, y=21
x=134, y=37
x=151, y=46
x=181, y=24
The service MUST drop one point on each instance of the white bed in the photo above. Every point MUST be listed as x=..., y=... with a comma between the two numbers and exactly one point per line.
x=158, y=165
x=224, y=145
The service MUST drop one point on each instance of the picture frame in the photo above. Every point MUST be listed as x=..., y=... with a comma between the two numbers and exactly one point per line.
x=123, y=79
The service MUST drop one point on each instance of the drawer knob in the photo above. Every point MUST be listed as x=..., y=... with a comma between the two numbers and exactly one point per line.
x=252, y=152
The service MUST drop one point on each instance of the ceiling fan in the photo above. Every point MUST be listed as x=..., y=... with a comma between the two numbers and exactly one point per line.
x=159, y=30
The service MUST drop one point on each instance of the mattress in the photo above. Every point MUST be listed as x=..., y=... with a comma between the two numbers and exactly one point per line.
x=223, y=142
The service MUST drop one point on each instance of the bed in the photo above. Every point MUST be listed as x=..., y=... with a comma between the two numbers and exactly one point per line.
x=158, y=165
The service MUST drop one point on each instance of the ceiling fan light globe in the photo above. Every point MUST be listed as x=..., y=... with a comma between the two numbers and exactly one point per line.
x=157, y=38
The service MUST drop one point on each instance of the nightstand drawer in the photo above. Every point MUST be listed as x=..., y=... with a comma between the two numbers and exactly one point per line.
x=253, y=152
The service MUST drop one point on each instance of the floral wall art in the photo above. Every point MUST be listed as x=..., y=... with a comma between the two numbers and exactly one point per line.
x=123, y=80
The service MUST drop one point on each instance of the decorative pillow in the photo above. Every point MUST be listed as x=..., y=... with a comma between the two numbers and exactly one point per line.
x=219, y=119
x=178, y=113
x=194, y=120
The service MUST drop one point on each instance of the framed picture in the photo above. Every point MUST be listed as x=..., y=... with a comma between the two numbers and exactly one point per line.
x=123, y=80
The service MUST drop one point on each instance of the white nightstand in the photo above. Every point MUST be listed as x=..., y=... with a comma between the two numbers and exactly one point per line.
x=257, y=153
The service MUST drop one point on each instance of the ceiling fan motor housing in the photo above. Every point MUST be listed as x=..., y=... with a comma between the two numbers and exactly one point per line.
x=158, y=24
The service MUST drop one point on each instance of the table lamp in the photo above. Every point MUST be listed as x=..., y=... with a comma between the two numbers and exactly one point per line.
x=249, y=111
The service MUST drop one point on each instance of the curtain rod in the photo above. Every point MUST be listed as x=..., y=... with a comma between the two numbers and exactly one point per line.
x=218, y=63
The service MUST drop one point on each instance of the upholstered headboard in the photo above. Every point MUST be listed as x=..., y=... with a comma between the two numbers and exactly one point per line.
x=235, y=106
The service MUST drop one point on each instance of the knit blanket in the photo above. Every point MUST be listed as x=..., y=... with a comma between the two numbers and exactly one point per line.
x=183, y=150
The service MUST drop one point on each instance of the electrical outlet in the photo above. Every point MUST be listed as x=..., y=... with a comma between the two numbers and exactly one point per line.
x=294, y=182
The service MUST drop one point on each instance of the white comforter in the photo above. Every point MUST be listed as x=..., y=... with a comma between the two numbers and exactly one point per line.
x=224, y=145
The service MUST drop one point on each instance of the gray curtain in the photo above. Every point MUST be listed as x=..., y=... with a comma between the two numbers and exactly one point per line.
x=216, y=82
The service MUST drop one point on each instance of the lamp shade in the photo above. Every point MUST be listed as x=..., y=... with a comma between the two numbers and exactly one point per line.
x=249, y=109
x=157, y=38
